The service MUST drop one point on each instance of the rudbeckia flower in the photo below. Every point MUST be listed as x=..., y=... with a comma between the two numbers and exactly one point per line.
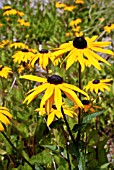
x=53, y=86
x=4, y=117
x=54, y=112
x=19, y=13
x=69, y=8
x=6, y=7
x=18, y=44
x=83, y=47
x=43, y=58
x=24, y=66
x=4, y=71
x=24, y=55
x=10, y=12
x=109, y=28
x=88, y=106
x=59, y=5
x=79, y=1
x=75, y=22
x=96, y=85
x=23, y=23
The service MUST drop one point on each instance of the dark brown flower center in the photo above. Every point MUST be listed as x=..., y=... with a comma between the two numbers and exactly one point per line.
x=85, y=102
x=8, y=9
x=55, y=79
x=25, y=50
x=80, y=43
x=1, y=67
x=43, y=51
x=96, y=81
x=54, y=107
x=17, y=41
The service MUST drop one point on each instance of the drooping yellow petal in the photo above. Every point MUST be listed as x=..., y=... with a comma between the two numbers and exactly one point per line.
x=37, y=91
x=1, y=127
x=71, y=58
x=4, y=119
x=103, y=50
x=93, y=61
x=48, y=93
x=71, y=95
x=34, y=78
x=98, y=57
x=70, y=86
x=49, y=103
x=58, y=98
x=50, y=118
x=6, y=113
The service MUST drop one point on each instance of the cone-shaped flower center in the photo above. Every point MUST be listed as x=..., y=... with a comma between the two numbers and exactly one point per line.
x=17, y=41
x=96, y=81
x=85, y=102
x=55, y=79
x=1, y=67
x=8, y=9
x=43, y=51
x=25, y=50
x=80, y=43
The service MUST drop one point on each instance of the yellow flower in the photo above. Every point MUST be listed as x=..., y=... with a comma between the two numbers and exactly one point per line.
x=6, y=7
x=23, y=67
x=10, y=12
x=78, y=34
x=4, y=71
x=23, y=56
x=1, y=24
x=96, y=85
x=83, y=47
x=109, y=28
x=69, y=8
x=52, y=86
x=88, y=106
x=68, y=34
x=76, y=29
x=54, y=112
x=18, y=44
x=43, y=58
x=59, y=5
x=4, y=117
x=23, y=23
x=79, y=1
x=75, y=22
x=5, y=42
x=19, y=13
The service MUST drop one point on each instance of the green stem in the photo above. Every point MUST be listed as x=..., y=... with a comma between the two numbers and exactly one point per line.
x=79, y=114
x=67, y=149
x=68, y=128
x=20, y=155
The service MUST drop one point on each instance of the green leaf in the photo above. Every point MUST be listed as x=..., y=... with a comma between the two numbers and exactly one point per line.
x=81, y=164
x=88, y=118
x=51, y=147
x=78, y=127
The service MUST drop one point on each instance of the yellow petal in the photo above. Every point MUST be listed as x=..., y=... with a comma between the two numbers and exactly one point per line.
x=58, y=98
x=71, y=95
x=70, y=86
x=1, y=127
x=50, y=118
x=49, y=103
x=47, y=95
x=34, y=78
